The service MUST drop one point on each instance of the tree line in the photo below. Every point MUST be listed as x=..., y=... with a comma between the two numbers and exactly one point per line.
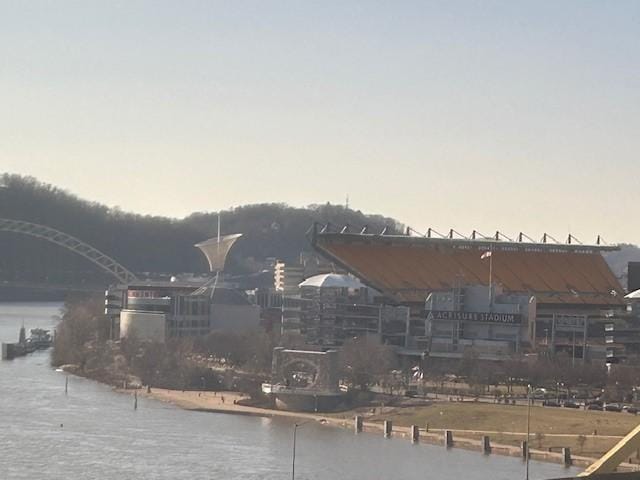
x=155, y=244
x=242, y=360
x=83, y=340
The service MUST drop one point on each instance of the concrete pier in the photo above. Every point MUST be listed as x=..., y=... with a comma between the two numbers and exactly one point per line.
x=448, y=438
x=415, y=434
x=358, y=423
x=486, y=445
x=388, y=428
x=566, y=456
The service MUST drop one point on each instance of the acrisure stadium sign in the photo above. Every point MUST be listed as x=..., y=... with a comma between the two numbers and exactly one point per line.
x=480, y=317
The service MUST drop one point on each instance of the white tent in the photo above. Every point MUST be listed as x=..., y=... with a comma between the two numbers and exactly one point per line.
x=332, y=280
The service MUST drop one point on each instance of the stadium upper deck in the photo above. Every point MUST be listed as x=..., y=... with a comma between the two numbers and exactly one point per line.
x=407, y=268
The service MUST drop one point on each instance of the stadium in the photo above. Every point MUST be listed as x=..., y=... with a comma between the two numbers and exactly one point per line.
x=571, y=287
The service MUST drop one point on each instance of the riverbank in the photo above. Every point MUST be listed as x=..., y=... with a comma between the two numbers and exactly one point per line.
x=478, y=419
x=177, y=444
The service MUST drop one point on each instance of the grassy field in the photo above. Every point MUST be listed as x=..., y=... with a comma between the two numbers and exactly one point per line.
x=550, y=427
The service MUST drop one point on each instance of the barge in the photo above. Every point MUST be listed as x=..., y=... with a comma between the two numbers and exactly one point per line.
x=39, y=339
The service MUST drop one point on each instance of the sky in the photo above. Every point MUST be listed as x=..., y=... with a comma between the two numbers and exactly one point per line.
x=488, y=115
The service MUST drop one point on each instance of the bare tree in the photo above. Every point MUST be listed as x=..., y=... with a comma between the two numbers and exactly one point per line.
x=364, y=360
x=251, y=350
x=81, y=327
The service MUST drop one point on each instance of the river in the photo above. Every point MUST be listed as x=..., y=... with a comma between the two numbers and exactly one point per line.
x=94, y=433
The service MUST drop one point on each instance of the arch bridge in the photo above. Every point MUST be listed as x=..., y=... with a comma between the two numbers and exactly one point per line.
x=105, y=262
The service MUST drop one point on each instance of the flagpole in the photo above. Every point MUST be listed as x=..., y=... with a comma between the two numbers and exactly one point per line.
x=482, y=257
x=528, y=429
x=491, y=278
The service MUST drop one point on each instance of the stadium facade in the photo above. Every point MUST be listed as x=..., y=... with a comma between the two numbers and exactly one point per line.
x=573, y=287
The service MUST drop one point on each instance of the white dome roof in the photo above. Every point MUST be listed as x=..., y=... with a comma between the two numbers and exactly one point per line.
x=633, y=295
x=332, y=280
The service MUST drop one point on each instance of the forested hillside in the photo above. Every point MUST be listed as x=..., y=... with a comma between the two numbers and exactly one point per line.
x=148, y=243
x=165, y=245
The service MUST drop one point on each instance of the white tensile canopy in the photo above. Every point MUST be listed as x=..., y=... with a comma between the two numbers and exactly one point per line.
x=332, y=280
x=216, y=250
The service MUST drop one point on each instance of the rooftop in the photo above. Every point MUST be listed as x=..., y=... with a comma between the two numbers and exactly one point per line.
x=408, y=267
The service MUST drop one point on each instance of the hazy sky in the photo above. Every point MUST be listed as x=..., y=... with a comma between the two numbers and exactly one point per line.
x=489, y=115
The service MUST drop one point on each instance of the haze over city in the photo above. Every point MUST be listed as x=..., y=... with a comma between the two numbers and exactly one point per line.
x=488, y=115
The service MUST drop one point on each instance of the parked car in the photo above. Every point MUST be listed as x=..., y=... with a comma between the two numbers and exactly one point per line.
x=613, y=407
x=571, y=404
x=550, y=403
x=630, y=409
x=594, y=406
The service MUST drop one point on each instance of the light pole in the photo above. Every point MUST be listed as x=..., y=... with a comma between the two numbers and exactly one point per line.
x=293, y=457
x=528, y=425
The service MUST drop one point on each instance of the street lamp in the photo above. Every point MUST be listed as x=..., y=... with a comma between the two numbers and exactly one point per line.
x=293, y=461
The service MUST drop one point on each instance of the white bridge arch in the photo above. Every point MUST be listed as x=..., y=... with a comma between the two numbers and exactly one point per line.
x=69, y=242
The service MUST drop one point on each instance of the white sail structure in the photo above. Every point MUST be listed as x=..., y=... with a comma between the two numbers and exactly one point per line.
x=216, y=250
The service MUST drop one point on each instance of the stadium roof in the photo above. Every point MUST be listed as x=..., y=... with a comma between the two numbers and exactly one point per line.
x=407, y=268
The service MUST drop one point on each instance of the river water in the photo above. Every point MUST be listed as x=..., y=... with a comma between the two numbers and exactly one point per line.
x=94, y=433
